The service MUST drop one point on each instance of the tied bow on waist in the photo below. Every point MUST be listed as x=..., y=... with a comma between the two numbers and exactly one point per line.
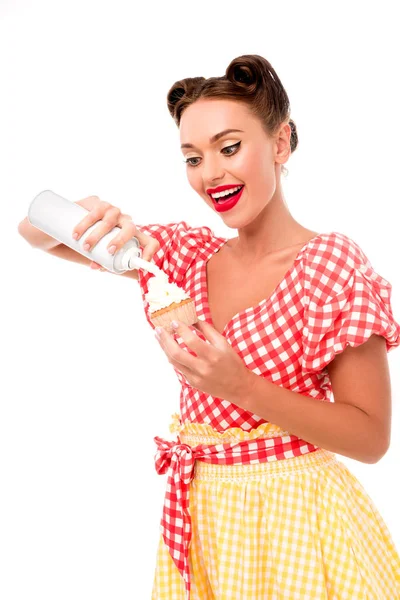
x=176, y=521
x=179, y=459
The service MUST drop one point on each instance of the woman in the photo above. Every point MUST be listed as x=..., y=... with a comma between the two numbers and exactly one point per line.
x=257, y=504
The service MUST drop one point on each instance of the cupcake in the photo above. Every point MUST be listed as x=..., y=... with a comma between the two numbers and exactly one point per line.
x=168, y=302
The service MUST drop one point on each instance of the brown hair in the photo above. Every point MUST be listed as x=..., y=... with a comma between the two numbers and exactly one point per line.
x=249, y=79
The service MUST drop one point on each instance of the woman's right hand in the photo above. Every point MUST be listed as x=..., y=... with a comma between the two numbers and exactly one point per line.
x=110, y=216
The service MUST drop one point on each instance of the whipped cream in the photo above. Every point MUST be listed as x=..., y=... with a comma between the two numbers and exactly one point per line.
x=161, y=293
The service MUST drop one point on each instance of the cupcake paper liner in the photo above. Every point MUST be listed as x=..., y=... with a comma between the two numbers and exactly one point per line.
x=185, y=313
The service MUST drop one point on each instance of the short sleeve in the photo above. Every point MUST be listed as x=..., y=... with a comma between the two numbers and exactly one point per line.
x=345, y=302
x=179, y=247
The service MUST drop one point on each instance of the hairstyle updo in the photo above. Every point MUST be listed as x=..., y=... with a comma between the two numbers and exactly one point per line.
x=249, y=79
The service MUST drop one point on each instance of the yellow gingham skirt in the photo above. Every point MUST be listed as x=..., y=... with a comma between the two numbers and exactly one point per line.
x=301, y=528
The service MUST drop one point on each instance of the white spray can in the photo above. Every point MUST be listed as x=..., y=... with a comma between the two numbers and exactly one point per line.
x=57, y=217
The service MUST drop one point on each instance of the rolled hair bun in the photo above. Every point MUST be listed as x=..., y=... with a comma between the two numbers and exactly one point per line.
x=255, y=76
x=183, y=93
x=247, y=73
x=250, y=79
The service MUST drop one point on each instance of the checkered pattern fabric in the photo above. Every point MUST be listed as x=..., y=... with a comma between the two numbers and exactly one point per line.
x=330, y=297
x=179, y=459
x=296, y=529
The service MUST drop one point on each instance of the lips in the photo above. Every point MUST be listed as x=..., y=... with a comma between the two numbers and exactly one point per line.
x=227, y=197
x=227, y=188
x=226, y=205
x=221, y=188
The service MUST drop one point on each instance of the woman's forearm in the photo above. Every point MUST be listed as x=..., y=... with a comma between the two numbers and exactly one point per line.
x=337, y=427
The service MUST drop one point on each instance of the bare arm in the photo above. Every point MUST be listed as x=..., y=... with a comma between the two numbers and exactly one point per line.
x=65, y=252
x=357, y=424
x=36, y=237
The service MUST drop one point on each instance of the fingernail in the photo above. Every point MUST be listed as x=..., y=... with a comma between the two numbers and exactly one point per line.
x=112, y=249
x=75, y=236
x=175, y=324
x=86, y=246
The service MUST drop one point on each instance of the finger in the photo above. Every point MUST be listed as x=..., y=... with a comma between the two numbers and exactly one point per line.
x=94, y=215
x=188, y=373
x=202, y=348
x=128, y=231
x=149, y=244
x=107, y=221
x=176, y=354
x=95, y=266
x=213, y=336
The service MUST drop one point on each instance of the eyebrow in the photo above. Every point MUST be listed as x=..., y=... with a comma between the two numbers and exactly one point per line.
x=214, y=138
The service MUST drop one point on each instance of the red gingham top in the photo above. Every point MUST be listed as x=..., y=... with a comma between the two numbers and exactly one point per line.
x=330, y=298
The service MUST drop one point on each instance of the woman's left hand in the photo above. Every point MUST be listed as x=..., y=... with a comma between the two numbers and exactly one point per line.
x=216, y=369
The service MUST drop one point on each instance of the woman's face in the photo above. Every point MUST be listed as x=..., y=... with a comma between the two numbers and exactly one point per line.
x=253, y=161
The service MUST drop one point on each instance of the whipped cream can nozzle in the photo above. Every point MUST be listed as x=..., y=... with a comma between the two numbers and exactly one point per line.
x=132, y=261
x=57, y=216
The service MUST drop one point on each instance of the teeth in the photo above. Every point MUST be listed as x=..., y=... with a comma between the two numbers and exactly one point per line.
x=225, y=193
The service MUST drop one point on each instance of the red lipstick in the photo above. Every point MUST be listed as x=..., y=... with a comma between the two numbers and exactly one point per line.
x=225, y=205
x=222, y=188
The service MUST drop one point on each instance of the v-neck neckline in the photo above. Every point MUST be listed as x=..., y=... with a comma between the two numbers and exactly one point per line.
x=264, y=301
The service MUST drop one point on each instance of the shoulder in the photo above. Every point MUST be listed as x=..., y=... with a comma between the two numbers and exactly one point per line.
x=178, y=237
x=334, y=249
x=180, y=244
x=178, y=230
x=189, y=235
x=330, y=261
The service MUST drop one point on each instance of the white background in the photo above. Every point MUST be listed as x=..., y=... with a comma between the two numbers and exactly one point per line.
x=85, y=386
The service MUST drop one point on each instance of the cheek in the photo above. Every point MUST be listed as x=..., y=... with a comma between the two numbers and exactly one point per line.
x=248, y=166
x=196, y=182
x=260, y=169
x=193, y=178
x=259, y=175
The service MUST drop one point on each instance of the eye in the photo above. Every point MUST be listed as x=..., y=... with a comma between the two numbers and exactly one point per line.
x=187, y=160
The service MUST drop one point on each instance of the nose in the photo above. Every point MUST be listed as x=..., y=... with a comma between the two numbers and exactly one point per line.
x=213, y=172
